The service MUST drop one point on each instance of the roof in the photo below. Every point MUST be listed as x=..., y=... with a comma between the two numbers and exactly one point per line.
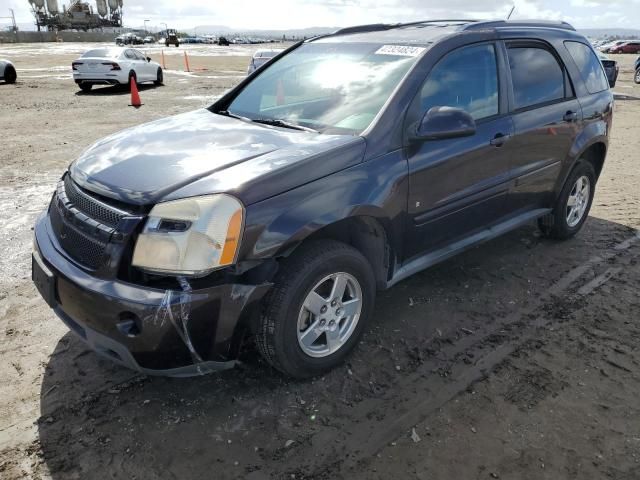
x=429, y=31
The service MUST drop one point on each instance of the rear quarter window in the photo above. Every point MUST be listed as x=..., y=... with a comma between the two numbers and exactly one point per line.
x=589, y=65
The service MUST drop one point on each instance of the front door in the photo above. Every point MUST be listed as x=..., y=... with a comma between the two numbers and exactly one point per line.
x=459, y=186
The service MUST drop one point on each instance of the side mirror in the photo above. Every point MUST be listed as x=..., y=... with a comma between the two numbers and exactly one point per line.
x=148, y=59
x=444, y=122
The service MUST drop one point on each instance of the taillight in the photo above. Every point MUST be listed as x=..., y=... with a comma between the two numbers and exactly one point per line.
x=75, y=65
x=113, y=65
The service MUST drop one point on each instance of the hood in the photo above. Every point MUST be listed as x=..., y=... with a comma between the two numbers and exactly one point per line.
x=201, y=152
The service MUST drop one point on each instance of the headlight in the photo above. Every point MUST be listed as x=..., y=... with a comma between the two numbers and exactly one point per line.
x=192, y=237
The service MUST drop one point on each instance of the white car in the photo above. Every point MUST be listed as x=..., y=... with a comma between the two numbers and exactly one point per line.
x=7, y=71
x=115, y=66
x=261, y=57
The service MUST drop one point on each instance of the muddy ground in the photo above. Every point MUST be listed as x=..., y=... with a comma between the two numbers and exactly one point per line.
x=519, y=359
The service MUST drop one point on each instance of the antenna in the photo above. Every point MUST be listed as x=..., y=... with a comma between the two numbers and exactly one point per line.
x=511, y=12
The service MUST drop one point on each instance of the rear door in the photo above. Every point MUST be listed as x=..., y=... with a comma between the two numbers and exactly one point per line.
x=546, y=116
x=459, y=186
x=135, y=64
x=146, y=66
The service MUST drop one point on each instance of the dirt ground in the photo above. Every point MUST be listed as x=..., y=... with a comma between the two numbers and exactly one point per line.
x=519, y=359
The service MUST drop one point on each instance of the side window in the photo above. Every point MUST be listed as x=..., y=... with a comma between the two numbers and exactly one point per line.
x=589, y=65
x=140, y=56
x=466, y=78
x=130, y=55
x=536, y=75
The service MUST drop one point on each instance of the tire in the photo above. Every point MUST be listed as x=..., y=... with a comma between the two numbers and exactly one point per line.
x=86, y=87
x=10, y=75
x=177, y=44
x=278, y=334
x=636, y=77
x=561, y=224
x=159, y=78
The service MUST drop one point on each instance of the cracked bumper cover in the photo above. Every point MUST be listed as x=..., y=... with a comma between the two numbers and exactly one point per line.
x=143, y=328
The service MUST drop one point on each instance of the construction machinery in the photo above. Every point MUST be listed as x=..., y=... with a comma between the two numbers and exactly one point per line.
x=171, y=37
x=78, y=15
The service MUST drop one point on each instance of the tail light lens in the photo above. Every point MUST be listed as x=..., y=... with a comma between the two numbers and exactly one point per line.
x=75, y=65
x=113, y=65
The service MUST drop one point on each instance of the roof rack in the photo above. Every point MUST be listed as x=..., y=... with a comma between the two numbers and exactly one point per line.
x=373, y=27
x=518, y=23
x=379, y=27
x=469, y=24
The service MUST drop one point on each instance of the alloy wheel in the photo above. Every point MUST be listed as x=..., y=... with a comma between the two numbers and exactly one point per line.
x=329, y=315
x=578, y=201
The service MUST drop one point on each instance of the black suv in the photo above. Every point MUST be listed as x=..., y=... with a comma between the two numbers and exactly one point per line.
x=349, y=163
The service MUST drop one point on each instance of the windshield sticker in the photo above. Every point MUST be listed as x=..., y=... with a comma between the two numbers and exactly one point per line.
x=400, y=50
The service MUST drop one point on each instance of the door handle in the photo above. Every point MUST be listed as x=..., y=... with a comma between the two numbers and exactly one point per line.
x=570, y=116
x=499, y=139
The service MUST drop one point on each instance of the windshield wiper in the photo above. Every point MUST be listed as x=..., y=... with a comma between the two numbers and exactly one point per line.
x=227, y=113
x=277, y=122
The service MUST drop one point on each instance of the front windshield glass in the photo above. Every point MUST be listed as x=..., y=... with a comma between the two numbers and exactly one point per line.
x=336, y=88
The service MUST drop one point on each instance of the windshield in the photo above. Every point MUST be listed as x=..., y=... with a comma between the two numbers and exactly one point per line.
x=102, y=53
x=334, y=88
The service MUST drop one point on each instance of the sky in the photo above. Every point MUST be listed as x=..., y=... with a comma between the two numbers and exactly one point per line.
x=288, y=14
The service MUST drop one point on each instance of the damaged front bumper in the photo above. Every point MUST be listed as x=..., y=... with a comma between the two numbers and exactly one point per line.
x=179, y=332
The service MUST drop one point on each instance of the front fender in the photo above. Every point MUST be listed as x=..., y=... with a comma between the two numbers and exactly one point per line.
x=376, y=188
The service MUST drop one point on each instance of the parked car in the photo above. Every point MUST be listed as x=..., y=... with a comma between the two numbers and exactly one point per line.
x=8, y=71
x=350, y=163
x=129, y=39
x=611, y=68
x=628, y=47
x=223, y=42
x=149, y=39
x=608, y=46
x=261, y=57
x=636, y=76
x=115, y=66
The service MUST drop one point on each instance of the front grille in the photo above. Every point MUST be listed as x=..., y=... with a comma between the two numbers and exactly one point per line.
x=78, y=245
x=90, y=206
x=86, y=225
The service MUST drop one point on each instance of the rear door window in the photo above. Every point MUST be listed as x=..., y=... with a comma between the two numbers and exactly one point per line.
x=466, y=78
x=589, y=65
x=537, y=76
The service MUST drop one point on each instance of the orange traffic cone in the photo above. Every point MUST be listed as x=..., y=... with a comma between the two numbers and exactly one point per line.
x=135, y=96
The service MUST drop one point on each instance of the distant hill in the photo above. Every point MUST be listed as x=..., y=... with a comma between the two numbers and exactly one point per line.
x=298, y=32
x=609, y=32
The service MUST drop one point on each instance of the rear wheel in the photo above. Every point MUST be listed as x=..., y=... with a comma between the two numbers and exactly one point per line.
x=573, y=204
x=159, y=77
x=10, y=75
x=317, y=310
x=132, y=75
x=86, y=87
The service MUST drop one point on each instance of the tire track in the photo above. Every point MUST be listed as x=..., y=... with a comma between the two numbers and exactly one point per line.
x=413, y=398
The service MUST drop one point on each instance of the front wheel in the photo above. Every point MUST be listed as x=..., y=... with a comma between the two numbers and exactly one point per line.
x=314, y=315
x=573, y=205
x=636, y=77
x=159, y=77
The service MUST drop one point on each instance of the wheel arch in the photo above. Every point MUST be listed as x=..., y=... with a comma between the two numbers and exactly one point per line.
x=366, y=234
